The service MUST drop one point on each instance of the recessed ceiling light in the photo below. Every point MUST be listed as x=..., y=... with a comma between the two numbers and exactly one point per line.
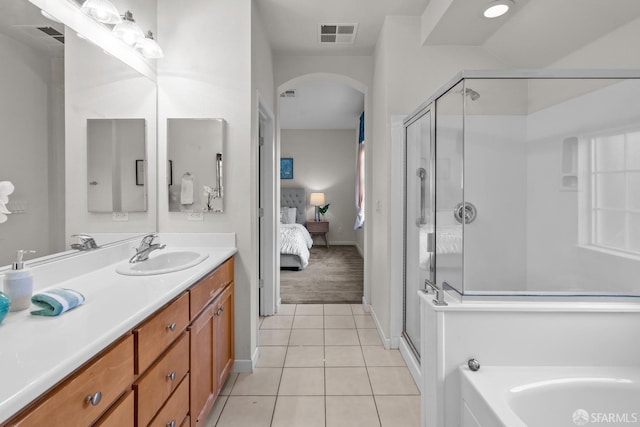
x=497, y=8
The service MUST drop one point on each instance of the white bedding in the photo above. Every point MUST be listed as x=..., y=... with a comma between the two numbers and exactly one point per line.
x=295, y=240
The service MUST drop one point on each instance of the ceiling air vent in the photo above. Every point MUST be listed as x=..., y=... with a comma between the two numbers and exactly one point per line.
x=337, y=33
x=57, y=35
x=289, y=93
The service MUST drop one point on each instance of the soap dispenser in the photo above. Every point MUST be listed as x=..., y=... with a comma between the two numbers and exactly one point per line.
x=18, y=283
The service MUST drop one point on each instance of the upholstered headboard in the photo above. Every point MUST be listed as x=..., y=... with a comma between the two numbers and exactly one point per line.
x=295, y=198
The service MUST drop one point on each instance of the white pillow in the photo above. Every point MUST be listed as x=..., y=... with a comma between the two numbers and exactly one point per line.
x=291, y=215
x=284, y=214
x=288, y=215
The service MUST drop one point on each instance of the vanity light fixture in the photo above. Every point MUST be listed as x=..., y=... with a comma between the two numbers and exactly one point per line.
x=102, y=11
x=149, y=48
x=497, y=8
x=127, y=30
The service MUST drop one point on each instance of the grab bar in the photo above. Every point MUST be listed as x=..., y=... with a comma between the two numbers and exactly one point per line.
x=422, y=174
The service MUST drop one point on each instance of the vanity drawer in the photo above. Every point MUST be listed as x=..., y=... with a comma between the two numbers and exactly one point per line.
x=207, y=288
x=105, y=379
x=176, y=409
x=154, y=335
x=161, y=380
x=121, y=413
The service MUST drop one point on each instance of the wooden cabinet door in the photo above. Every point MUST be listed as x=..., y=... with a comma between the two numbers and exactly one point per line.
x=203, y=380
x=224, y=338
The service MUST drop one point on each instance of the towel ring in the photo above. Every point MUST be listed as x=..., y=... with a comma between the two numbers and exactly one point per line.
x=465, y=210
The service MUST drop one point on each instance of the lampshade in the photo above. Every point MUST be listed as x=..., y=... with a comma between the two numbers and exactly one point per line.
x=149, y=48
x=128, y=31
x=102, y=11
x=316, y=199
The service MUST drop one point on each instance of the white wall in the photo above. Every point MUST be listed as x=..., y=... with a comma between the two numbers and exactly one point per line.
x=206, y=73
x=325, y=161
x=405, y=75
x=25, y=118
x=99, y=86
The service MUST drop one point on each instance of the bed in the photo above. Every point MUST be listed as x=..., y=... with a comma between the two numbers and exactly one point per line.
x=295, y=240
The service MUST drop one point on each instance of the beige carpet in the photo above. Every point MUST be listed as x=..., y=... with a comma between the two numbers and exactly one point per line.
x=334, y=275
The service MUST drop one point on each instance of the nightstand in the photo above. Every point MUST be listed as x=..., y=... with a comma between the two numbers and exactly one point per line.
x=319, y=228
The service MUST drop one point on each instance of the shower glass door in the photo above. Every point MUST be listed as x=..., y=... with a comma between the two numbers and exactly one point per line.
x=418, y=221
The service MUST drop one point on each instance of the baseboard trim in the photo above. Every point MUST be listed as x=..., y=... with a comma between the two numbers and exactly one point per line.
x=386, y=342
x=246, y=365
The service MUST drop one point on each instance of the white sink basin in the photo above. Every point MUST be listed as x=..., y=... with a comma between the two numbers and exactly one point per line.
x=161, y=263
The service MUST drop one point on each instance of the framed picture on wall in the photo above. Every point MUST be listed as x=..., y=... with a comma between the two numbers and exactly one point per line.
x=286, y=168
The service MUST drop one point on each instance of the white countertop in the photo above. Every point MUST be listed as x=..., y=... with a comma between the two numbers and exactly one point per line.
x=36, y=352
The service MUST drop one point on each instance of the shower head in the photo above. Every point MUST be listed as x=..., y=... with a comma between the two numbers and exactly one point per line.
x=471, y=94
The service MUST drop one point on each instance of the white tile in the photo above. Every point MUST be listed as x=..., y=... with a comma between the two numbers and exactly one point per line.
x=348, y=381
x=302, y=382
x=343, y=356
x=308, y=322
x=309, y=310
x=228, y=385
x=273, y=337
x=380, y=356
x=271, y=357
x=286, y=310
x=341, y=337
x=337, y=309
x=306, y=337
x=277, y=322
x=399, y=411
x=299, y=411
x=305, y=357
x=358, y=309
x=369, y=337
x=339, y=322
x=247, y=411
x=260, y=382
x=352, y=411
x=392, y=380
x=214, y=415
x=364, y=322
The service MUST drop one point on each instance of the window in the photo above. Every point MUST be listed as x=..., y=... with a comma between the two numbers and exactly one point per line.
x=615, y=192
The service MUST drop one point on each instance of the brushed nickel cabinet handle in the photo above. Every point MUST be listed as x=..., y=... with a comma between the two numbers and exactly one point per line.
x=171, y=376
x=94, y=398
x=171, y=423
x=171, y=326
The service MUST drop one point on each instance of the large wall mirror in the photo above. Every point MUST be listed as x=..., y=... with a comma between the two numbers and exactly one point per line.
x=52, y=82
x=195, y=164
x=116, y=165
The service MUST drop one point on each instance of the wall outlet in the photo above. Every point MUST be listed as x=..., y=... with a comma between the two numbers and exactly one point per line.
x=195, y=216
x=120, y=216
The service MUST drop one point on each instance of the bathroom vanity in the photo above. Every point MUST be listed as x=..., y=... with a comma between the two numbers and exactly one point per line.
x=142, y=350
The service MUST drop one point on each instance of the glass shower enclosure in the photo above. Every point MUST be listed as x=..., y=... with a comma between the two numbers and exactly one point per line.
x=524, y=183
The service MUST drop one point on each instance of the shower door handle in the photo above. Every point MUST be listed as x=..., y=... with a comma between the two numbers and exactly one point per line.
x=422, y=174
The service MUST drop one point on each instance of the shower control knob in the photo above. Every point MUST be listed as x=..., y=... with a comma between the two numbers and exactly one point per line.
x=473, y=364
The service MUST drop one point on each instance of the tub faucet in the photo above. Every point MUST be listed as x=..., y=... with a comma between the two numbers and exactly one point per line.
x=439, y=293
x=146, y=247
x=85, y=242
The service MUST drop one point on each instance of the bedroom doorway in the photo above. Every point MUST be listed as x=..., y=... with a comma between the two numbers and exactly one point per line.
x=268, y=271
x=319, y=118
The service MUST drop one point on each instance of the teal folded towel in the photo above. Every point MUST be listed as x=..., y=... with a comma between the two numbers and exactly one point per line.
x=56, y=301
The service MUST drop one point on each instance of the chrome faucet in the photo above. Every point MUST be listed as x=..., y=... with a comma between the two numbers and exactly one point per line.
x=146, y=247
x=85, y=242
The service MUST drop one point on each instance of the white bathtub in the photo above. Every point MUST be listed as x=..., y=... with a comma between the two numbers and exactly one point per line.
x=550, y=396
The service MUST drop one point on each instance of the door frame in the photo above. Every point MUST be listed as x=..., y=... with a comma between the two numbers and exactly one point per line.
x=268, y=265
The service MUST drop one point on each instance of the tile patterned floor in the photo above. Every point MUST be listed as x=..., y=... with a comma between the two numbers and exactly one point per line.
x=320, y=365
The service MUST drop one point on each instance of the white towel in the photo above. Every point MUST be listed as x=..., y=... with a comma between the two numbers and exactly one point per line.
x=186, y=191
